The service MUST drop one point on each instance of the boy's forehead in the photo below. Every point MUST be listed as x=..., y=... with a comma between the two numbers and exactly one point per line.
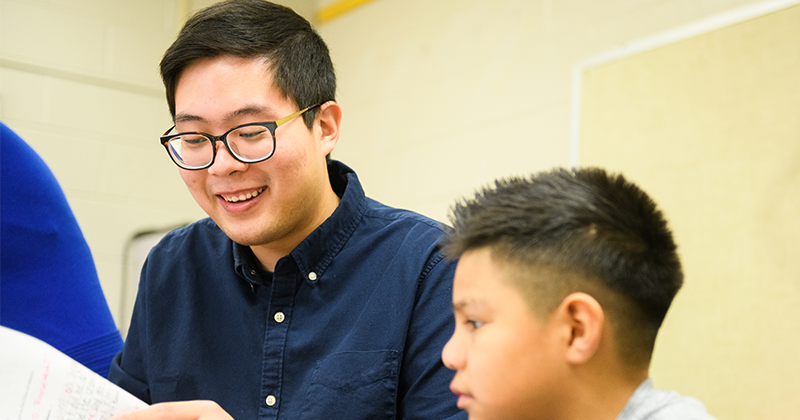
x=469, y=303
x=478, y=266
x=484, y=278
x=472, y=265
x=477, y=279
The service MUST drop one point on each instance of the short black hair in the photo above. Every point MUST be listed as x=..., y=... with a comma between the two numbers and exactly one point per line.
x=588, y=231
x=295, y=53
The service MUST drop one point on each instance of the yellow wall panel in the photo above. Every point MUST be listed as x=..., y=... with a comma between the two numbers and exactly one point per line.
x=710, y=126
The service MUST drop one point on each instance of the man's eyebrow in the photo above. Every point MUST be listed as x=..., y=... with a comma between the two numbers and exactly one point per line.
x=247, y=110
x=179, y=118
x=243, y=111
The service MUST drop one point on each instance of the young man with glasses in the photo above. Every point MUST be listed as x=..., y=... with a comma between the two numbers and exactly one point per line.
x=298, y=297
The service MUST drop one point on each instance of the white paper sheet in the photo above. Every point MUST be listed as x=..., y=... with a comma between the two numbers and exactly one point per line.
x=37, y=382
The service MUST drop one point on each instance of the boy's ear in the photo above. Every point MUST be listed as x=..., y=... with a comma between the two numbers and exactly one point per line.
x=583, y=318
x=329, y=117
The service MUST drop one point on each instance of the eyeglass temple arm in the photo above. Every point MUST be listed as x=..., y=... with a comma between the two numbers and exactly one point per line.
x=288, y=118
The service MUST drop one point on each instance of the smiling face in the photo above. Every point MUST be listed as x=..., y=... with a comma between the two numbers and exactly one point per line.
x=506, y=358
x=273, y=205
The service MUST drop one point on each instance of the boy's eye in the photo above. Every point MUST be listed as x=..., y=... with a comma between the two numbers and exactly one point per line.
x=474, y=324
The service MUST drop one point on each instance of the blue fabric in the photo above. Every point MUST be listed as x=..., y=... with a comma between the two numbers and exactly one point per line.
x=360, y=338
x=48, y=282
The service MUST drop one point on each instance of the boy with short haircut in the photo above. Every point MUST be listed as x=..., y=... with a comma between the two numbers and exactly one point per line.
x=563, y=281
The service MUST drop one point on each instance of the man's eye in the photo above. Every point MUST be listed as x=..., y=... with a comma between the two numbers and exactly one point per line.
x=194, y=141
x=252, y=133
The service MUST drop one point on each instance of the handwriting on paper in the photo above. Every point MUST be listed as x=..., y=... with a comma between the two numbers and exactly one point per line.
x=37, y=382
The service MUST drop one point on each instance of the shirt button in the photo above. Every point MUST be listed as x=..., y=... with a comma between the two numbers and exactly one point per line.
x=279, y=317
x=271, y=400
x=312, y=276
x=253, y=272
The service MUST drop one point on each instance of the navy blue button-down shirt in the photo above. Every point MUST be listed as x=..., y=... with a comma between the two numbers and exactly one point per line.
x=349, y=326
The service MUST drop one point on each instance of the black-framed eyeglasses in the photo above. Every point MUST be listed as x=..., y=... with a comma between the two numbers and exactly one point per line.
x=247, y=143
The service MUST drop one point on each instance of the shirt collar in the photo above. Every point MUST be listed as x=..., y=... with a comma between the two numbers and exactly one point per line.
x=246, y=265
x=318, y=249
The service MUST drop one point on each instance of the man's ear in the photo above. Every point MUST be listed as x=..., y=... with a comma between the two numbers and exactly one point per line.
x=584, y=318
x=329, y=117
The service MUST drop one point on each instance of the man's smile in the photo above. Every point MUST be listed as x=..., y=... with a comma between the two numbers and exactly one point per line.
x=242, y=196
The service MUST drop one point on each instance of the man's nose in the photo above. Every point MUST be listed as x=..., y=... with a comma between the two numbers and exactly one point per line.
x=224, y=162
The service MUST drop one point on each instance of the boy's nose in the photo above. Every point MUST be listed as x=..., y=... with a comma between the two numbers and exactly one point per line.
x=453, y=354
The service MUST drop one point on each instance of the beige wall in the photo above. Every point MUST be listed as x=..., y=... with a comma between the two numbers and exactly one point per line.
x=79, y=81
x=442, y=96
x=710, y=126
x=439, y=97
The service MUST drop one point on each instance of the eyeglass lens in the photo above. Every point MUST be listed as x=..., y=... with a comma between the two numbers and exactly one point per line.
x=249, y=144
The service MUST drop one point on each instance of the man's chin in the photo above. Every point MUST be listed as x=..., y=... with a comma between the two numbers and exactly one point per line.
x=242, y=235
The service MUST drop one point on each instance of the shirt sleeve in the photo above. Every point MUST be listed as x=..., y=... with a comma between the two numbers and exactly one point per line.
x=424, y=377
x=128, y=368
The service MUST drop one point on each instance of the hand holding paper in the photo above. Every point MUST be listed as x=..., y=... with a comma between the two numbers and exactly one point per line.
x=183, y=410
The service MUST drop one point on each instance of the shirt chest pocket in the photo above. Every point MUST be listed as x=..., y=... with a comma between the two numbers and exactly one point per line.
x=354, y=385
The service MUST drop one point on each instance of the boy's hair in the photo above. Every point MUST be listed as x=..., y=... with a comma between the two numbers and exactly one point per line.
x=565, y=231
x=293, y=51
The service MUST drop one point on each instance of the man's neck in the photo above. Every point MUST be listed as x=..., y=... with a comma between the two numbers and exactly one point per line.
x=269, y=254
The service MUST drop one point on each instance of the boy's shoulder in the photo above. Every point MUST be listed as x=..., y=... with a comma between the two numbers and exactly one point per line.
x=648, y=403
